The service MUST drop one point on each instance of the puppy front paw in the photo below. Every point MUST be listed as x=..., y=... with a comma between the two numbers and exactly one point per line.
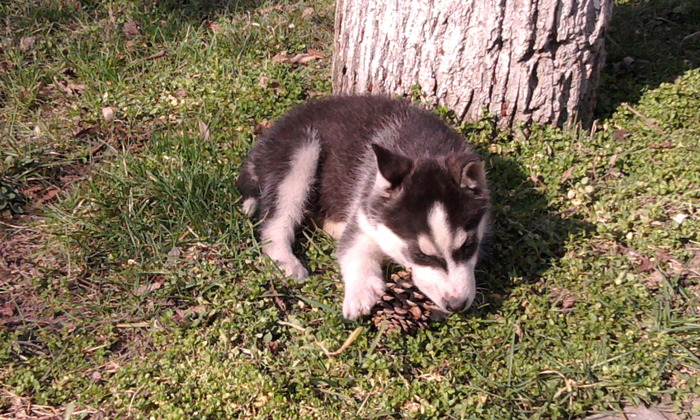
x=360, y=300
x=294, y=268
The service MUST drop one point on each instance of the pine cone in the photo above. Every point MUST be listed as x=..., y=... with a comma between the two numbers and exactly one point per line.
x=11, y=200
x=404, y=307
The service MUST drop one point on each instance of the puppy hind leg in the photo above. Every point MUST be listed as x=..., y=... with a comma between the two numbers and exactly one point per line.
x=290, y=198
x=249, y=187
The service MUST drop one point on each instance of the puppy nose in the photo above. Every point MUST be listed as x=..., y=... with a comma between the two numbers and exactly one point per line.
x=458, y=305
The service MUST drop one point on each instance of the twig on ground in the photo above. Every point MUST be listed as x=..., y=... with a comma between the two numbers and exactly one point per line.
x=348, y=342
x=691, y=36
x=644, y=118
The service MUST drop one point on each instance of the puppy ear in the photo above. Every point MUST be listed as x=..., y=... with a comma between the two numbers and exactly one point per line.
x=392, y=167
x=468, y=172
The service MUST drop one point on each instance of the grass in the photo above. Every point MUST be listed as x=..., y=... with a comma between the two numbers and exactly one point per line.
x=134, y=287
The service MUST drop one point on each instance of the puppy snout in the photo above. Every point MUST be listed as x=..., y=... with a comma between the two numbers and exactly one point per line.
x=458, y=305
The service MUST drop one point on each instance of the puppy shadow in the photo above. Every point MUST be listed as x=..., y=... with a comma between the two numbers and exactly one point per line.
x=527, y=235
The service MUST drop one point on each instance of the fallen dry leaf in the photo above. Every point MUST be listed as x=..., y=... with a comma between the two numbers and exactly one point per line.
x=314, y=94
x=84, y=132
x=620, y=135
x=265, y=82
x=7, y=309
x=68, y=71
x=131, y=29
x=611, y=165
x=654, y=280
x=96, y=377
x=274, y=84
x=665, y=145
x=307, y=13
x=215, y=27
x=316, y=53
x=564, y=298
x=568, y=302
x=31, y=191
x=273, y=346
x=27, y=43
x=567, y=174
x=159, y=54
x=261, y=127
x=108, y=113
x=281, y=57
x=146, y=288
x=518, y=331
x=279, y=8
x=130, y=46
x=72, y=88
x=535, y=179
x=204, y=130
x=644, y=265
x=111, y=367
x=69, y=88
x=4, y=275
x=51, y=193
x=303, y=58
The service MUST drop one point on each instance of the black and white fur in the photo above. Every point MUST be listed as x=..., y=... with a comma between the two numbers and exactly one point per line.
x=387, y=179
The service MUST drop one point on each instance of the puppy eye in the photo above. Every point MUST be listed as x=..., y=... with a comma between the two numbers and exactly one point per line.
x=429, y=260
x=420, y=256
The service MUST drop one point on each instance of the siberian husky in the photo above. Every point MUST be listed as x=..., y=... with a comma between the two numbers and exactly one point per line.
x=387, y=180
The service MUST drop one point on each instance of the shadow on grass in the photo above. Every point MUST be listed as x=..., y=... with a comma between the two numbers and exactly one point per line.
x=186, y=11
x=204, y=9
x=528, y=236
x=649, y=42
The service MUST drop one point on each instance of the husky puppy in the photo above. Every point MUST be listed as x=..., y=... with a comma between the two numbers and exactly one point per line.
x=385, y=178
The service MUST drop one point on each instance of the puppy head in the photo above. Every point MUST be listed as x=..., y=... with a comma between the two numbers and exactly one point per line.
x=430, y=215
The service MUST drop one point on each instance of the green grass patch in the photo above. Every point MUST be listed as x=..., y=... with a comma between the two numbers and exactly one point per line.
x=144, y=293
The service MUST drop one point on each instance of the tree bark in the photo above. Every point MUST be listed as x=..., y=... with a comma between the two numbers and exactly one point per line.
x=522, y=60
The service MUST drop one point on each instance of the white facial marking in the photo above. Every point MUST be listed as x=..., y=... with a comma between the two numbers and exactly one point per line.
x=278, y=231
x=426, y=246
x=440, y=228
x=450, y=289
x=447, y=288
x=456, y=286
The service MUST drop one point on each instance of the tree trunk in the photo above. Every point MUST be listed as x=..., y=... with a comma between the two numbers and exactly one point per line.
x=522, y=60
